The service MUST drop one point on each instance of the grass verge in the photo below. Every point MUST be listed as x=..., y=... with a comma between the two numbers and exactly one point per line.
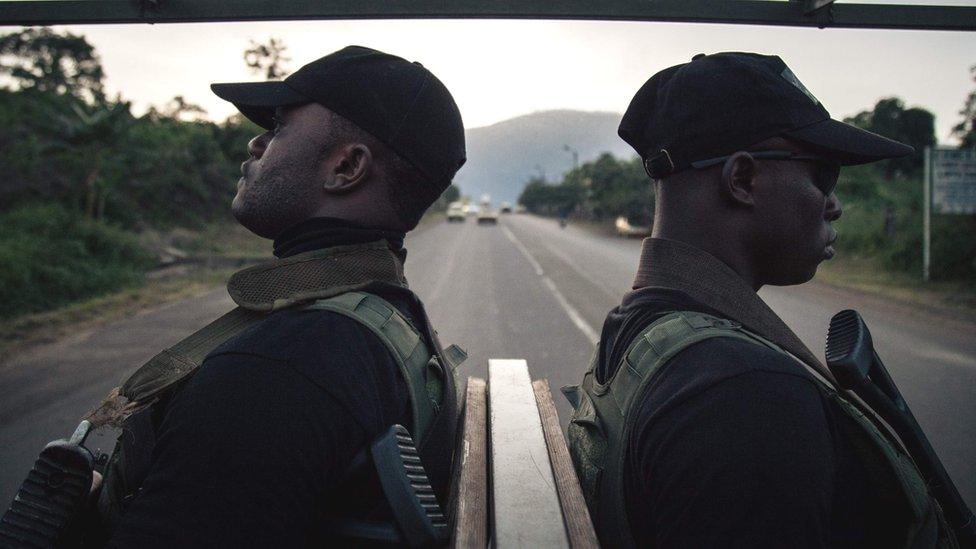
x=19, y=334
x=866, y=275
x=213, y=254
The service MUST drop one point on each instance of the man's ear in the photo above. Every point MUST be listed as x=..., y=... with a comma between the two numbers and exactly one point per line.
x=739, y=178
x=350, y=167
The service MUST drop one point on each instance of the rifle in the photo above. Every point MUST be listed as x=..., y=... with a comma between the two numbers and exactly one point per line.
x=415, y=517
x=853, y=361
x=46, y=509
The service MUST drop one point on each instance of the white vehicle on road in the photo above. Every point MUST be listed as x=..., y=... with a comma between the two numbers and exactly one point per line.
x=624, y=228
x=487, y=216
x=455, y=212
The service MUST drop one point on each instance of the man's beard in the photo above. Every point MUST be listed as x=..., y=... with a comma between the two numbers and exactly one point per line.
x=276, y=200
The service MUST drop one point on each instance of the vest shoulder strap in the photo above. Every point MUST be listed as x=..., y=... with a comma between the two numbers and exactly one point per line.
x=661, y=341
x=416, y=361
x=177, y=362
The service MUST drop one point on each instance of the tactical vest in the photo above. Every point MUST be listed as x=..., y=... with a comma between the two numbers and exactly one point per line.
x=602, y=424
x=322, y=280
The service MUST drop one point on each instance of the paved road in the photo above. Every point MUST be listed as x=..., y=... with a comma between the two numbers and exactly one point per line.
x=523, y=289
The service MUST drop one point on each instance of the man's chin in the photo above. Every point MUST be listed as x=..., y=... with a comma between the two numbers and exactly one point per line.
x=794, y=277
x=248, y=220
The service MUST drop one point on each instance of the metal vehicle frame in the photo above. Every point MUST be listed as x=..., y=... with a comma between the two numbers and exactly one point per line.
x=800, y=13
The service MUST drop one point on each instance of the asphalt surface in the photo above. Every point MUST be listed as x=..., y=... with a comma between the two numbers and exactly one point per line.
x=522, y=289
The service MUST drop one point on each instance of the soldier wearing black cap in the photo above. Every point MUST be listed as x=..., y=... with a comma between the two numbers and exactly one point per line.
x=250, y=427
x=703, y=420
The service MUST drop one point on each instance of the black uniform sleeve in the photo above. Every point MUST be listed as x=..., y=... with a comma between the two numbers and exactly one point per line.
x=728, y=454
x=249, y=450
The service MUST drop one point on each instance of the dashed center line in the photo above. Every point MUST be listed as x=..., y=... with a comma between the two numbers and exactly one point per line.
x=525, y=251
x=574, y=315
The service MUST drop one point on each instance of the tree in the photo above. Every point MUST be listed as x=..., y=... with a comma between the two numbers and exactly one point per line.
x=914, y=126
x=94, y=132
x=965, y=130
x=268, y=58
x=617, y=188
x=542, y=197
x=50, y=61
x=536, y=196
x=178, y=108
x=451, y=194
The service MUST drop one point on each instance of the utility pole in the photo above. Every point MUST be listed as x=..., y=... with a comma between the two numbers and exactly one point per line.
x=575, y=154
x=927, y=215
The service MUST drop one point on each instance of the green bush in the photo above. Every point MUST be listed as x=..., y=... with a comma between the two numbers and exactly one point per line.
x=606, y=188
x=50, y=256
x=883, y=219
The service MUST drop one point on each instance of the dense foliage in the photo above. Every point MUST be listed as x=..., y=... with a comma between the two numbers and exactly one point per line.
x=82, y=174
x=603, y=189
x=884, y=202
x=102, y=162
x=965, y=130
x=51, y=256
x=451, y=194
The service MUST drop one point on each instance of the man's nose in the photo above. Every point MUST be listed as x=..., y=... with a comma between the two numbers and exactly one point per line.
x=256, y=146
x=833, y=208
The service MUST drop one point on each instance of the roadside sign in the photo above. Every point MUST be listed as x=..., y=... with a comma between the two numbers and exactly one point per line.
x=949, y=188
x=953, y=181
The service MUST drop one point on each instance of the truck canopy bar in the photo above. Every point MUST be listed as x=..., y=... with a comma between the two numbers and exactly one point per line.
x=798, y=13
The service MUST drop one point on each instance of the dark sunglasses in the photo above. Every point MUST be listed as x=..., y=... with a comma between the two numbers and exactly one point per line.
x=826, y=175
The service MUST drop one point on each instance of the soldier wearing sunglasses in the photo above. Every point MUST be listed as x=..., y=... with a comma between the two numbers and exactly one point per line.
x=703, y=420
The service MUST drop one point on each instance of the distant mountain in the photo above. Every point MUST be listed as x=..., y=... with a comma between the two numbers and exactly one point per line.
x=503, y=156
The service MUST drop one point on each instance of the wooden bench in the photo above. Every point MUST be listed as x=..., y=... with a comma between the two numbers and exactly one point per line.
x=515, y=485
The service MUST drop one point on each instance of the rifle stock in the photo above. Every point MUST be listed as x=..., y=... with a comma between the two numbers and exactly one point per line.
x=45, y=509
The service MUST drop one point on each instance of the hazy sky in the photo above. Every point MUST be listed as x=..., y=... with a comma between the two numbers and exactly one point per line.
x=500, y=69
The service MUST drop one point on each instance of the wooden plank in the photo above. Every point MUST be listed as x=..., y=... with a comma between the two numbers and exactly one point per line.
x=470, y=513
x=577, y=516
x=525, y=504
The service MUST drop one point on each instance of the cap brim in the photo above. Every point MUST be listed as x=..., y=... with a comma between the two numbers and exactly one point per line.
x=258, y=100
x=849, y=144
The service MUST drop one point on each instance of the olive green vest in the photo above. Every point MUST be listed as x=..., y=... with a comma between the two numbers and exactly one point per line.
x=604, y=418
x=335, y=280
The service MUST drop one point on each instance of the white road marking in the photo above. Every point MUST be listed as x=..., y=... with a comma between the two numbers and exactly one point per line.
x=571, y=312
x=598, y=283
x=447, y=267
x=574, y=315
x=518, y=244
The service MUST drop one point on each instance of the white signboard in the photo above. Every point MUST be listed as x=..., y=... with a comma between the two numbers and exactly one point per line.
x=954, y=181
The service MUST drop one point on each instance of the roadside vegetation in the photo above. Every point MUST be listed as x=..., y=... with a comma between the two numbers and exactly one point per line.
x=212, y=254
x=94, y=197
x=881, y=228
x=85, y=178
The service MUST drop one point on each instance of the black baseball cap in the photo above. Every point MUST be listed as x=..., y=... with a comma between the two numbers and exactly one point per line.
x=400, y=103
x=722, y=103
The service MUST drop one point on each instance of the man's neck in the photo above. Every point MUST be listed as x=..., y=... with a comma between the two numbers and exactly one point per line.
x=727, y=250
x=325, y=232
